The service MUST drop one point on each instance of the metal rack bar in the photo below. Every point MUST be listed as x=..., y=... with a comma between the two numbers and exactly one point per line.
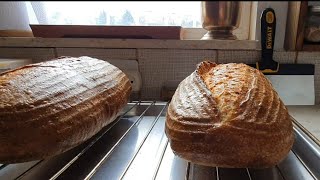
x=21, y=175
x=82, y=167
x=136, y=143
x=107, y=155
x=266, y=174
x=249, y=175
x=307, y=151
x=171, y=167
x=78, y=155
x=188, y=170
x=292, y=169
x=13, y=171
x=217, y=173
x=116, y=164
x=160, y=160
x=142, y=143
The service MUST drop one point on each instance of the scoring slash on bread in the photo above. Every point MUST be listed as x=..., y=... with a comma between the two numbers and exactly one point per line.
x=228, y=115
x=50, y=107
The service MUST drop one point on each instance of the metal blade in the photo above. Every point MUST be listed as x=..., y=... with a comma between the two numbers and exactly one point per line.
x=294, y=89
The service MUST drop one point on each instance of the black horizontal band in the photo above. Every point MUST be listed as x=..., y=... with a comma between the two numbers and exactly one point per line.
x=292, y=69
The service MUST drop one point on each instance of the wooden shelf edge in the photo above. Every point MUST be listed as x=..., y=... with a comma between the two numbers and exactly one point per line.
x=311, y=47
x=130, y=43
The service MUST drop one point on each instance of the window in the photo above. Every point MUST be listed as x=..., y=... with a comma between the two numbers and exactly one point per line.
x=186, y=14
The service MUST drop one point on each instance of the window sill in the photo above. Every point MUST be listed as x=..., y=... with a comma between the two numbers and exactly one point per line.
x=129, y=43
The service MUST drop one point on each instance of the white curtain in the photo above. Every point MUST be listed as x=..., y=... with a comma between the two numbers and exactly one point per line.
x=14, y=15
x=17, y=15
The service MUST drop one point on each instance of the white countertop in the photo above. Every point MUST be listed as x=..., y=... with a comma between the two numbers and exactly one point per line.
x=308, y=117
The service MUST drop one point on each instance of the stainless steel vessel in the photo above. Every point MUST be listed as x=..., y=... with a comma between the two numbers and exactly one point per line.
x=220, y=18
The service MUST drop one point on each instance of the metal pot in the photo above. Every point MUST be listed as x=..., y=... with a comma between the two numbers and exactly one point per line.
x=220, y=18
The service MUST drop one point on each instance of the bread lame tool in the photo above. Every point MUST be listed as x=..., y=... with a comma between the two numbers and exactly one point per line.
x=293, y=82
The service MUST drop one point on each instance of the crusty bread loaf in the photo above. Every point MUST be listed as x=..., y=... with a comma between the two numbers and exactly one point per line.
x=228, y=115
x=50, y=107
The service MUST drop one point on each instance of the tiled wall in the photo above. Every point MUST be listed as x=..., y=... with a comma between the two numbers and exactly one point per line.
x=158, y=67
x=241, y=56
x=162, y=65
x=99, y=53
x=36, y=54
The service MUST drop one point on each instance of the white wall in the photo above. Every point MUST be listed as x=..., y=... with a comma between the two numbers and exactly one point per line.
x=13, y=15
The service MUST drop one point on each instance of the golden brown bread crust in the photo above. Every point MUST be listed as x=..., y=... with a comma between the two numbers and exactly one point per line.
x=51, y=107
x=228, y=115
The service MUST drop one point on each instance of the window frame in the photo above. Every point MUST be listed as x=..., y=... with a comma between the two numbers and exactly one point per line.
x=249, y=21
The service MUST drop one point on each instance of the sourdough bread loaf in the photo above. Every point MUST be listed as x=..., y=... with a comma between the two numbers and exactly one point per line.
x=228, y=115
x=50, y=107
